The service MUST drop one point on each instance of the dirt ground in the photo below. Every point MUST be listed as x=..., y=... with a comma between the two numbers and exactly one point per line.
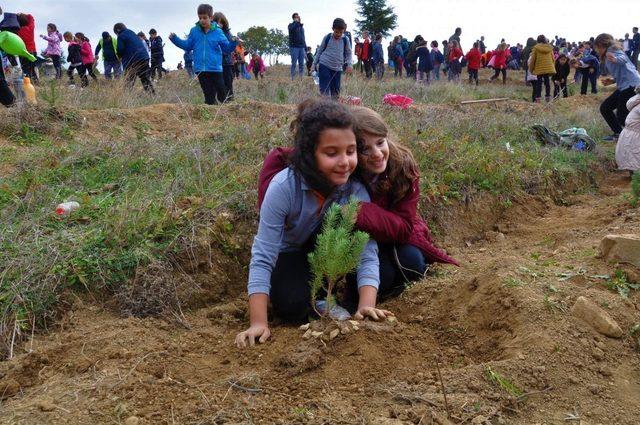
x=506, y=310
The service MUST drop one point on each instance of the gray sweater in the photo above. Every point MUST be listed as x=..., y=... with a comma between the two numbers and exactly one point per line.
x=333, y=56
x=289, y=215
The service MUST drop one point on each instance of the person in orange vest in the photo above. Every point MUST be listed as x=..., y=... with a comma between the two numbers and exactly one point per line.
x=240, y=62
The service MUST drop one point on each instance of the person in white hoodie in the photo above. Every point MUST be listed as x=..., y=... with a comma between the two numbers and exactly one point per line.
x=628, y=147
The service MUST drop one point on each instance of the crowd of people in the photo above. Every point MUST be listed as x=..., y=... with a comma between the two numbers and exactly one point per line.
x=132, y=55
x=216, y=57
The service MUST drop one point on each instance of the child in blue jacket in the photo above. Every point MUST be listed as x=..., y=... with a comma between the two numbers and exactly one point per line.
x=589, y=68
x=377, y=59
x=208, y=42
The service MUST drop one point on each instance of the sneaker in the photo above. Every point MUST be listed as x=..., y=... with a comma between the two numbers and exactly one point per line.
x=611, y=138
x=336, y=313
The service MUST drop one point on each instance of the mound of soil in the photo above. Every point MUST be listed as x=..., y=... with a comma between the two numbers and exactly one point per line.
x=496, y=335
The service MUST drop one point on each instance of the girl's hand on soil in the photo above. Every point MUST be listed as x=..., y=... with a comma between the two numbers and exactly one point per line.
x=349, y=70
x=254, y=331
x=372, y=312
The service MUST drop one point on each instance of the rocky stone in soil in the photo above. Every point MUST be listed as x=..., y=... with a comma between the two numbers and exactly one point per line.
x=621, y=248
x=596, y=317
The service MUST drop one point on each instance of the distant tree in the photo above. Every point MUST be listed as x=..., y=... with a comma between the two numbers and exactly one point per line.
x=278, y=44
x=377, y=17
x=256, y=39
x=266, y=42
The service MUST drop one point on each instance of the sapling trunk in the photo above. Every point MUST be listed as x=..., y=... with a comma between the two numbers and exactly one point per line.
x=337, y=252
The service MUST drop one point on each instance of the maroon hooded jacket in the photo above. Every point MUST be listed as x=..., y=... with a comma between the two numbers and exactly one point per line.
x=398, y=223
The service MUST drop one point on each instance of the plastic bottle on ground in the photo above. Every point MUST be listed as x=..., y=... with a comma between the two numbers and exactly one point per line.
x=17, y=82
x=316, y=79
x=29, y=91
x=67, y=208
x=336, y=312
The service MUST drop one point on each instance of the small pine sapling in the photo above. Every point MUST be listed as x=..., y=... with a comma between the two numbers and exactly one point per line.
x=337, y=252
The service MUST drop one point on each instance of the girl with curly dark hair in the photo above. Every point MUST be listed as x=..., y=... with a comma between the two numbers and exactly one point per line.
x=324, y=158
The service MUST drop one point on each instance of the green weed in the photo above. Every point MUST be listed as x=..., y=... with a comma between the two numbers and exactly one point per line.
x=27, y=135
x=511, y=282
x=620, y=284
x=553, y=305
x=504, y=383
x=635, y=189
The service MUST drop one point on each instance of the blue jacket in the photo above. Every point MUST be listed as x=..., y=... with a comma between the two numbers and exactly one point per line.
x=622, y=70
x=188, y=58
x=227, y=57
x=436, y=57
x=378, y=53
x=130, y=48
x=207, y=47
x=405, y=47
x=424, y=58
x=591, y=61
x=399, y=51
x=636, y=42
x=296, y=35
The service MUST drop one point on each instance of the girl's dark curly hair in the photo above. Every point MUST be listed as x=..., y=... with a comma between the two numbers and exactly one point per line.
x=315, y=116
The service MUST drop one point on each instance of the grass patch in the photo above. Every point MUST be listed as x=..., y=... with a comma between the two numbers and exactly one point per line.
x=504, y=383
x=512, y=282
x=132, y=178
x=635, y=189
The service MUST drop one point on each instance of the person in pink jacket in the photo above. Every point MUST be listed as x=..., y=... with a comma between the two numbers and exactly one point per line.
x=86, y=51
x=53, y=50
x=257, y=66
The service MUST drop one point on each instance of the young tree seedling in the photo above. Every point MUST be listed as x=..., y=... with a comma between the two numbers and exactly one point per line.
x=337, y=252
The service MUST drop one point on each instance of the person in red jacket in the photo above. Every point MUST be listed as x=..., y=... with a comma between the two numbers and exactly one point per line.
x=406, y=247
x=27, y=34
x=455, y=67
x=474, y=60
x=367, y=52
x=500, y=63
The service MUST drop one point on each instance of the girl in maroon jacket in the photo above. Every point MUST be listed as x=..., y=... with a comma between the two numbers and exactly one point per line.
x=391, y=218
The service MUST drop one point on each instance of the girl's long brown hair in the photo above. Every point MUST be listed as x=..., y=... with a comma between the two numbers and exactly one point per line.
x=221, y=20
x=605, y=41
x=402, y=168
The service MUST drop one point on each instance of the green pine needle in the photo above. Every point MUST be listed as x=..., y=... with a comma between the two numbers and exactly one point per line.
x=338, y=248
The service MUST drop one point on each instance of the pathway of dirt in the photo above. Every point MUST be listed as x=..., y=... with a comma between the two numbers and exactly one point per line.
x=506, y=310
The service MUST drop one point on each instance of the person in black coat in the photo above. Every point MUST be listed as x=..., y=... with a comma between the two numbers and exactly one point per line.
x=228, y=71
x=157, y=54
x=135, y=59
x=560, y=78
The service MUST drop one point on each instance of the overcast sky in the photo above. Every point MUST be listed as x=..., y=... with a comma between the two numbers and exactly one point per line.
x=515, y=20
